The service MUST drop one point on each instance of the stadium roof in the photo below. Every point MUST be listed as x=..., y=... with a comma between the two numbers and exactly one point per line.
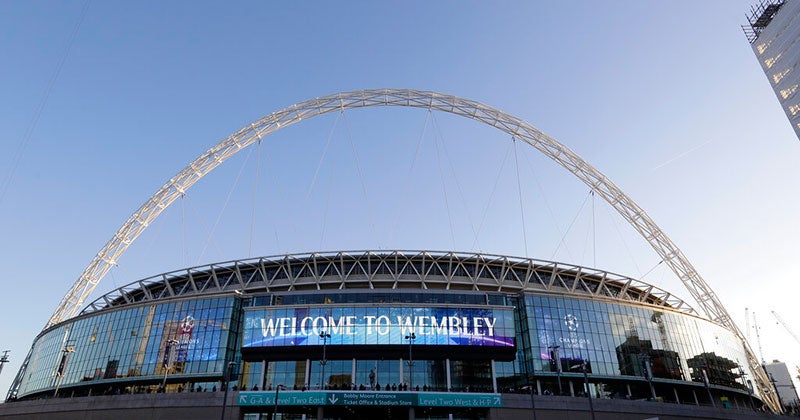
x=398, y=269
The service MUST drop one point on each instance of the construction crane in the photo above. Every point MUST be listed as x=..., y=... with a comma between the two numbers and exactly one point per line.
x=786, y=327
x=758, y=339
x=4, y=359
x=747, y=323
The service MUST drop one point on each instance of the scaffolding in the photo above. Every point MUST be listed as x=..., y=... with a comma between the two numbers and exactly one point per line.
x=760, y=16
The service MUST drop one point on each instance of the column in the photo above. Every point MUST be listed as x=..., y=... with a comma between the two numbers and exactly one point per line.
x=262, y=374
x=353, y=375
x=401, y=370
x=539, y=387
x=494, y=376
x=677, y=398
x=307, y=381
x=447, y=369
x=696, y=401
x=377, y=381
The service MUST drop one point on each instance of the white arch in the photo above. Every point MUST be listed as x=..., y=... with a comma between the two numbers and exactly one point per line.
x=627, y=208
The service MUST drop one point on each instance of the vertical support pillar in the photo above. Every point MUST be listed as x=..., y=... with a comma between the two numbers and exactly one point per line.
x=494, y=376
x=539, y=387
x=628, y=386
x=353, y=384
x=677, y=398
x=401, y=371
x=571, y=389
x=262, y=375
x=447, y=368
x=307, y=381
x=696, y=401
x=320, y=414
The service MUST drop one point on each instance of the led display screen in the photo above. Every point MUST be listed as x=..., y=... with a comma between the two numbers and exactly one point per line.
x=266, y=327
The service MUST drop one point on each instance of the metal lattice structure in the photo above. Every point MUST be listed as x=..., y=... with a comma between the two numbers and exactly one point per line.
x=390, y=270
x=517, y=128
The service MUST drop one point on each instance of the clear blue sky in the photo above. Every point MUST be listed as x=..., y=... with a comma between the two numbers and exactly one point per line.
x=666, y=98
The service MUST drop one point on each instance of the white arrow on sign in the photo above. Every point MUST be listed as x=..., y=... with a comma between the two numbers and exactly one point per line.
x=333, y=399
x=497, y=400
x=242, y=399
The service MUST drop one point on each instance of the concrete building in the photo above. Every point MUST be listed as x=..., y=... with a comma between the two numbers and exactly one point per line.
x=773, y=30
x=782, y=380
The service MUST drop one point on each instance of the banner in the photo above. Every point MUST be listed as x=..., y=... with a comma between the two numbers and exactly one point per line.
x=378, y=326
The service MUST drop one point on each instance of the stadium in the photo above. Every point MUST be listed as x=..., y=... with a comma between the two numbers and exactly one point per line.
x=395, y=334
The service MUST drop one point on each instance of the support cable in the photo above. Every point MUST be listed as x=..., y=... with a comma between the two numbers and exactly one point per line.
x=225, y=206
x=549, y=207
x=437, y=128
x=204, y=227
x=651, y=270
x=184, y=254
x=324, y=153
x=327, y=205
x=587, y=243
x=574, y=219
x=113, y=279
x=330, y=177
x=407, y=185
x=255, y=197
x=26, y=137
x=624, y=244
x=444, y=193
x=594, y=234
x=519, y=192
x=358, y=170
x=491, y=195
x=159, y=225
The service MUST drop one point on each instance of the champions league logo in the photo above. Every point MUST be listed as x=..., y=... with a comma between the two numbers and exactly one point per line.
x=573, y=340
x=185, y=340
x=571, y=321
x=187, y=325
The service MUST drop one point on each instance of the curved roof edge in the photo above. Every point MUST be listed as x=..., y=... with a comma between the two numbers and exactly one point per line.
x=384, y=269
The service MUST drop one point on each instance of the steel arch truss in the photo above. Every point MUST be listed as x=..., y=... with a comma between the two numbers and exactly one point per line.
x=107, y=257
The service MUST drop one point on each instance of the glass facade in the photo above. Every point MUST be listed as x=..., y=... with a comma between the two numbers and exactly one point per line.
x=195, y=335
x=624, y=340
x=543, y=336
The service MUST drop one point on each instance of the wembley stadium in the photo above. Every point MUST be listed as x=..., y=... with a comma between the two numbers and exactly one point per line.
x=333, y=323
x=389, y=334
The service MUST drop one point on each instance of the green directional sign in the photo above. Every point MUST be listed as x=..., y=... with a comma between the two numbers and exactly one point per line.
x=407, y=399
x=370, y=398
x=267, y=398
x=454, y=399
